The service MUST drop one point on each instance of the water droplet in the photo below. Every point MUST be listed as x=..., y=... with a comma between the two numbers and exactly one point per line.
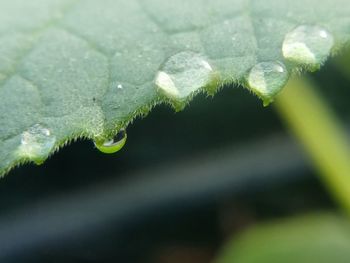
x=112, y=145
x=36, y=143
x=266, y=79
x=183, y=74
x=119, y=86
x=308, y=45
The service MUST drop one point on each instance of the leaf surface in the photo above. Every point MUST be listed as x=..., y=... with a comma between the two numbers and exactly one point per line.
x=87, y=68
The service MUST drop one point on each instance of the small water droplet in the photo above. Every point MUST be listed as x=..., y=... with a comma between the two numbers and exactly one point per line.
x=308, y=45
x=112, y=145
x=266, y=79
x=36, y=143
x=183, y=74
x=119, y=86
x=323, y=34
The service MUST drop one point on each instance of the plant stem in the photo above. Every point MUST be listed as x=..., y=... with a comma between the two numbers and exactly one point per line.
x=322, y=135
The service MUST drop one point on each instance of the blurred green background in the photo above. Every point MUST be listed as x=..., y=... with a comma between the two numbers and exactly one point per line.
x=183, y=186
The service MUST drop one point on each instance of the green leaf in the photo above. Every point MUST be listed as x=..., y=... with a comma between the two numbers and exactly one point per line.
x=318, y=238
x=72, y=69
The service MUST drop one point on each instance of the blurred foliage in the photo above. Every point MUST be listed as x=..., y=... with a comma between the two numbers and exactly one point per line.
x=321, y=238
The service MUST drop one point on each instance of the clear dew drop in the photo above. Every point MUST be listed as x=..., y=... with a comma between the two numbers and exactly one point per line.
x=36, y=143
x=112, y=145
x=266, y=79
x=308, y=45
x=183, y=74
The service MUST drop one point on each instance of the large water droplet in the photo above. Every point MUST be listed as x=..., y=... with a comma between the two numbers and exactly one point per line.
x=266, y=79
x=112, y=145
x=183, y=74
x=308, y=45
x=36, y=143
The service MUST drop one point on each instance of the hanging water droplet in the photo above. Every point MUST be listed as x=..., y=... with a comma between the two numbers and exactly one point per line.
x=183, y=74
x=36, y=144
x=308, y=45
x=112, y=145
x=266, y=79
